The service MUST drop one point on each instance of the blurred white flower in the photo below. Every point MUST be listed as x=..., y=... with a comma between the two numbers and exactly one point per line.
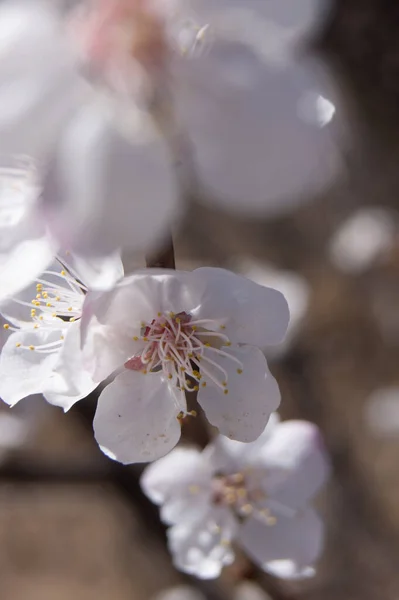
x=382, y=412
x=173, y=93
x=293, y=286
x=175, y=331
x=13, y=433
x=25, y=248
x=42, y=353
x=362, y=239
x=256, y=494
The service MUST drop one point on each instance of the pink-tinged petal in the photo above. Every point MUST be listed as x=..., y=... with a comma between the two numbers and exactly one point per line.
x=295, y=452
x=104, y=191
x=23, y=371
x=288, y=548
x=136, y=418
x=21, y=265
x=252, y=313
x=36, y=94
x=180, y=482
x=253, y=394
x=70, y=381
x=202, y=547
x=261, y=136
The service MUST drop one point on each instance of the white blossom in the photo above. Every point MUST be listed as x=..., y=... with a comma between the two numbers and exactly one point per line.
x=174, y=94
x=42, y=353
x=257, y=495
x=167, y=332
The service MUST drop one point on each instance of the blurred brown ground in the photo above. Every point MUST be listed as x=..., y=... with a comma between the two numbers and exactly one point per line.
x=86, y=541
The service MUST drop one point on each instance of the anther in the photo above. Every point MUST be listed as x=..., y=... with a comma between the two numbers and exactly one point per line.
x=63, y=273
x=6, y=326
x=31, y=347
x=225, y=391
x=239, y=371
x=18, y=345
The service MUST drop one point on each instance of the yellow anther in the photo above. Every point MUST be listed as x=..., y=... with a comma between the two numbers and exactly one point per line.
x=145, y=339
x=32, y=312
x=190, y=355
x=228, y=344
x=224, y=383
x=207, y=344
x=203, y=384
x=36, y=326
x=196, y=373
x=159, y=314
x=18, y=345
x=37, y=303
x=57, y=298
x=247, y=509
x=223, y=327
x=194, y=489
x=180, y=416
x=6, y=326
x=31, y=347
x=62, y=337
x=194, y=328
x=41, y=317
x=225, y=391
x=72, y=319
x=144, y=371
x=172, y=314
x=45, y=294
x=54, y=315
x=38, y=296
x=39, y=287
x=63, y=273
x=196, y=388
x=239, y=371
x=135, y=338
x=69, y=309
x=170, y=376
x=177, y=320
x=34, y=301
x=193, y=413
x=182, y=369
x=49, y=305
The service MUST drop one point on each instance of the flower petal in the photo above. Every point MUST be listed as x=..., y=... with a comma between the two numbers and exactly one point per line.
x=23, y=371
x=295, y=450
x=21, y=265
x=252, y=313
x=261, y=135
x=286, y=549
x=36, y=94
x=69, y=381
x=252, y=396
x=97, y=273
x=181, y=482
x=202, y=547
x=104, y=191
x=136, y=418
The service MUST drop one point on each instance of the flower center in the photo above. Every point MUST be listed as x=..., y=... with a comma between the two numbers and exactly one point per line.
x=186, y=350
x=58, y=302
x=243, y=498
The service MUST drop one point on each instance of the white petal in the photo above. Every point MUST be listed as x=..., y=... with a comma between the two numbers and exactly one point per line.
x=181, y=482
x=69, y=381
x=22, y=371
x=286, y=549
x=136, y=418
x=20, y=266
x=252, y=396
x=252, y=313
x=260, y=135
x=202, y=547
x=229, y=456
x=105, y=192
x=36, y=93
x=296, y=452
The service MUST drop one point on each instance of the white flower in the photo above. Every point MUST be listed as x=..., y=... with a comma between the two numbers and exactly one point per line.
x=25, y=248
x=172, y=332
x=104, y=189
x=363, y=238
x=256, y=494
x=43, y=354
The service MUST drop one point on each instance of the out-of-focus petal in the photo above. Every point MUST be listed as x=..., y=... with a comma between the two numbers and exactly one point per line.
x=104, y=191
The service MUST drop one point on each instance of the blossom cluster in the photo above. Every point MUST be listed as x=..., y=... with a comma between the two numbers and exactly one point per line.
x=142, y=100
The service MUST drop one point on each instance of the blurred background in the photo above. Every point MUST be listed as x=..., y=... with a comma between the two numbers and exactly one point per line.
x=75, y=525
